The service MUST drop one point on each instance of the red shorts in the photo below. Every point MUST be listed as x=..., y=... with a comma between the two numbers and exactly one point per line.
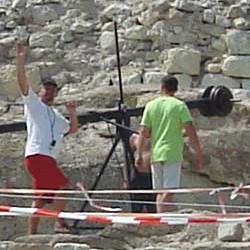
x=45, y=173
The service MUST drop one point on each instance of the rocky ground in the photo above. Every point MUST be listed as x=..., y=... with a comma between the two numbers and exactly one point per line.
x=232, y=236
x=201, y=42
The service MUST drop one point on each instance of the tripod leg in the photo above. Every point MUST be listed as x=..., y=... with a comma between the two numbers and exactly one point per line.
x=99, y=175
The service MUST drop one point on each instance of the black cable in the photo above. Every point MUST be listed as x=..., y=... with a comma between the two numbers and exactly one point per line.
x=114, y=123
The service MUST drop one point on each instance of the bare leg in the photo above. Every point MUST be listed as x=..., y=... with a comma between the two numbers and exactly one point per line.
x=34, y=221
x=59, y=205
x=163, y=198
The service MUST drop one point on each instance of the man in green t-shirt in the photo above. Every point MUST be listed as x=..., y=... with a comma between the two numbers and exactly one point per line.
x=163, y=122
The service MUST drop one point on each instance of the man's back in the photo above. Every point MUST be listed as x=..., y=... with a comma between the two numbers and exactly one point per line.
x=165, y=116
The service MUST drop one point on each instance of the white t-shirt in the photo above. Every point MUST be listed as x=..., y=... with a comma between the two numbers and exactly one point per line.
x=44, y=124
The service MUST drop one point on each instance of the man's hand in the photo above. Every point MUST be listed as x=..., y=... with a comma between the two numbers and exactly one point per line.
x=71, y=106
x=195, y=144
x=199, y=162
x=20, y=50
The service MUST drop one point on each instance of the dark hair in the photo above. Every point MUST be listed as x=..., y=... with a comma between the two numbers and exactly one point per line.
x=170, y=83
x=48, y=80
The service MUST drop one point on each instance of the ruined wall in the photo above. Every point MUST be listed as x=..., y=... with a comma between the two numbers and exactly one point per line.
x=202, y=42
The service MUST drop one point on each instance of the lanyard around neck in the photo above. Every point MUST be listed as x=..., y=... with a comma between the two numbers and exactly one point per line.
x=52, y=120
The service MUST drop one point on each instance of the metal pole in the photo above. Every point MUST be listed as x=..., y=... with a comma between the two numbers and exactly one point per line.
x=118, y=61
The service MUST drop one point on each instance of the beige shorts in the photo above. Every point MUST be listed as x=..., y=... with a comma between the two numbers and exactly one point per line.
x=166, y=174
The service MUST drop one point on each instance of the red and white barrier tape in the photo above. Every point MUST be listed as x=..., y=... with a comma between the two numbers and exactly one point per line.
x=129, y=218
x=239, y=191
x=93, y=204
x=174, y=191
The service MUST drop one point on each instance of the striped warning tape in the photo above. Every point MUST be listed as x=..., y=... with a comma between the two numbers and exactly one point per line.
x=93, y=204
x=129, y=218
x=234, y=189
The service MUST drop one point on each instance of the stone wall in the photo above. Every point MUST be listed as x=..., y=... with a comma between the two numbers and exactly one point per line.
x=202, y=42
x=75, y=42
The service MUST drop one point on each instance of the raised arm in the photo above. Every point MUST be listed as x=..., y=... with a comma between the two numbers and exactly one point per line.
x=21, y=76
x=190, y=131
x=71, y=107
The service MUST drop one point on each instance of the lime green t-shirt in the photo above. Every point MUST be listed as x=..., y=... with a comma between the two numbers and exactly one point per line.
x=164, y=116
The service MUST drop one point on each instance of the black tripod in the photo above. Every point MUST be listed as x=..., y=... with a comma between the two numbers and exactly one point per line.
x=122, y=132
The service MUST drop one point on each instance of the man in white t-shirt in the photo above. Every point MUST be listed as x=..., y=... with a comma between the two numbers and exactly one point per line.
x=46, y=128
